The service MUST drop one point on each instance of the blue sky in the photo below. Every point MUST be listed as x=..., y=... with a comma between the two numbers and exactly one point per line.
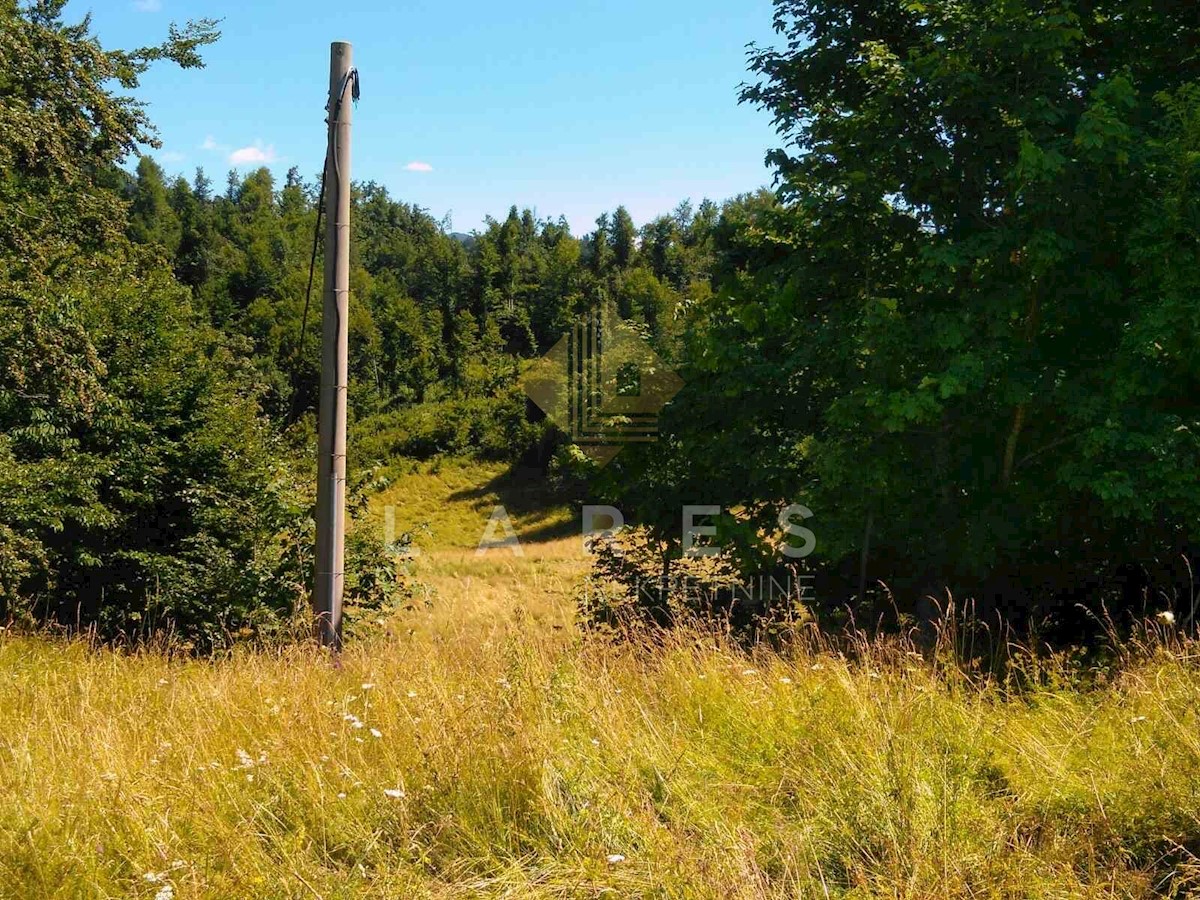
x=570, y=107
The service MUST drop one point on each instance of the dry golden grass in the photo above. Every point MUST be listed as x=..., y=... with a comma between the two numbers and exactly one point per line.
x=449, y=501
x=486, y=748
x=518, y=762
x=470, y=593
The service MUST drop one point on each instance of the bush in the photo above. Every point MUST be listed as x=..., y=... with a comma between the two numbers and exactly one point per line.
x=378, y=581
x=143, y=490
x=491, y=427
x=637, y=581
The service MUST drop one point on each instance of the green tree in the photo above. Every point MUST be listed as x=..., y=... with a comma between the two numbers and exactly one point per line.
x=65, y=131
x=600, y=252
x=152, y=219
x=962, y=342
x=641, y=296
x=624, y=238
x=141, y=487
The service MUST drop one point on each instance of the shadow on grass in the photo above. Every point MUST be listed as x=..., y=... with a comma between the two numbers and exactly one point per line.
x=526, y=495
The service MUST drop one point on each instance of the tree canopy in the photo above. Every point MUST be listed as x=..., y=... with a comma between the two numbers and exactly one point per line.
x=965, y=336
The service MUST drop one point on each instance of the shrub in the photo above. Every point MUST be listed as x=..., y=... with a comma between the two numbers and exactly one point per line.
x=491, y=427
x=143, y=490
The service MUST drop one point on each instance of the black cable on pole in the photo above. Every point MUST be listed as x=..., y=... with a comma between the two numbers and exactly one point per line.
x=352, y=80
x=312, y=268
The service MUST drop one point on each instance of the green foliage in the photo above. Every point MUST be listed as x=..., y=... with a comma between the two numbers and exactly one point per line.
x=493, y=428
x=378, y=580
x=154, y=338
x=966, y=336
x=440, y=322
x=64, y=130
x=146, y=491
x=143, y=491
x=962, y=331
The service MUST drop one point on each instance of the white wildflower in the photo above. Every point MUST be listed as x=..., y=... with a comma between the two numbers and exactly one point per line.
x=153, y=877
x=412, y=695
x=1166, y=617
x=614, y=858
x=368, y=686
x=785, y=680
x=376, y=733
x=166, y=892
x=394, y=793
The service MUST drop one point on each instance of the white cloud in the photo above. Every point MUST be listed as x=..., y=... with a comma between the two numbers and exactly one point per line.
x=256, y=153
x=172, y=156
x=210, y=143
x=416, y=166
x=147, y=6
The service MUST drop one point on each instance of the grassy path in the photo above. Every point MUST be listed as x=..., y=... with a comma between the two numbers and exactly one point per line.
x=450, y=505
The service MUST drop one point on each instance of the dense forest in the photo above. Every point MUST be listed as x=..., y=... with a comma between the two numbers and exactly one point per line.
x=442, y=320
x=961, y=329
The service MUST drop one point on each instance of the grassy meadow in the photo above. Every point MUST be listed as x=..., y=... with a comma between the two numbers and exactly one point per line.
x=484, y=747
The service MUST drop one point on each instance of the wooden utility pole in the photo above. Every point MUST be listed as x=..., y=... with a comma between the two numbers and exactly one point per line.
x=331, y=421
